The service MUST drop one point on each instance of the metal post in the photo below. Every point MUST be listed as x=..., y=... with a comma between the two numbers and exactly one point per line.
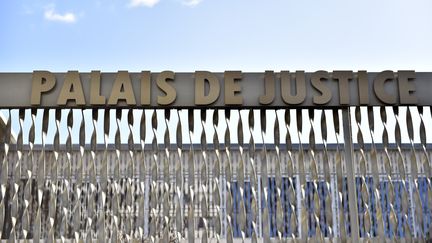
x=349, y=165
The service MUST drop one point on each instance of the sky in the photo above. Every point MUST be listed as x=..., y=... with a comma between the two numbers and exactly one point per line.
x=214, y=35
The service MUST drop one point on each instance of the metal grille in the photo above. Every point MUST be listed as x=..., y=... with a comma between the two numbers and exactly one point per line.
x=216, y=175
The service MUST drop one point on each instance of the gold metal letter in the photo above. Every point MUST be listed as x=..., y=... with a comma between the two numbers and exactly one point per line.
x=363, y=87
x=169, y=90
x=201, y=77
x=42, y=82
x=407, y=88
x=72, y=89
x=269, y=88
x=122, y=89
x=343, y=77
x=300, y=88
x=95, y=83
x=232, y=87
x=379, y=90
x=145, y=87
x=318, y=78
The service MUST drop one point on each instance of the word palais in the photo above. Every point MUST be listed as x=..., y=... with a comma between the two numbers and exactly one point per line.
x=204, y=156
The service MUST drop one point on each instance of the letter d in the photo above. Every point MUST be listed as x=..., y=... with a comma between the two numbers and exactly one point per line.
x=214, y=88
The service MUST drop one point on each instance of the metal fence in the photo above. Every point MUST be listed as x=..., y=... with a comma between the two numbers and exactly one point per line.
x=349, y=174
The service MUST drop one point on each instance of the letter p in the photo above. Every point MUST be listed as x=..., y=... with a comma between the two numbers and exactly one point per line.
x=42, y=82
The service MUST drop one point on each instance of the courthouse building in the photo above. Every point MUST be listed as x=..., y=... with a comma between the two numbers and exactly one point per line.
x=216, y=157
